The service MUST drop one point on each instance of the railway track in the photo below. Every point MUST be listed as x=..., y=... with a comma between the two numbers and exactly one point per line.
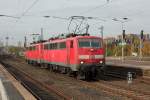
x=116, y=89
x=119, y=91
x=112, y=88
x=138, y=80
x=145, y=80
x=37, y=88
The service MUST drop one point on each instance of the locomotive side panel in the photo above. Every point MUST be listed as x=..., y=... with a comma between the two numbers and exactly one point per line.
x=55, y=53
x=44, y=53
x=27, y=53
x=35, y=53
x=40, y=53
x=71, y=54
x=58, y=57
x=31, y=53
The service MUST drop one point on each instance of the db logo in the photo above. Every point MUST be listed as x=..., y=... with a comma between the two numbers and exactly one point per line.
x=92, y=57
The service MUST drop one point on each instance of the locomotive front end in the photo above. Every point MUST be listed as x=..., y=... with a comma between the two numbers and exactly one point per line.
x=90, y=56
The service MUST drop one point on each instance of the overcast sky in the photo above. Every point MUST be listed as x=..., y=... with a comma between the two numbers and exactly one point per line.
x=137, y=11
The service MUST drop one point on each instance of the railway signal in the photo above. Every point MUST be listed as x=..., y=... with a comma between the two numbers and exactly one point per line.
x=101, y=31
x=141, y=39
x=123, y=34
x=142, y=35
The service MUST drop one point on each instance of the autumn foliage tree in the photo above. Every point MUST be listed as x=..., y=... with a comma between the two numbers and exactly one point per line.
x=146, y=48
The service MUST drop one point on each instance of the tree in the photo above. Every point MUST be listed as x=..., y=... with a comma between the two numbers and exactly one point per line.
x=146, y=48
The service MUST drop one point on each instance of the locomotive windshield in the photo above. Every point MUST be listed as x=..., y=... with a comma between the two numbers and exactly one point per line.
x=91, y=43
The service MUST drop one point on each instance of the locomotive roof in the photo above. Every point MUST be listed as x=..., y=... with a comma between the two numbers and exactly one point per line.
x=62, y=39
x=71, y=38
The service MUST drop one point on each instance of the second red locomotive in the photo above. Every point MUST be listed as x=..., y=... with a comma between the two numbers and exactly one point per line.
x=80, y=55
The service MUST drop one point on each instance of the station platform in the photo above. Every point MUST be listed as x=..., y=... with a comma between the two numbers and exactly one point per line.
x=142, y=68
x=11, y=89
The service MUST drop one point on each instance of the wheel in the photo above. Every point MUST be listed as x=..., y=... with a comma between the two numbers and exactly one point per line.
x=70, y=72
x=88, y=75
x=45, y=65
x=42, y=65
x=50, y=67
x=34, y=63
x=63, y=70
x=81, y=75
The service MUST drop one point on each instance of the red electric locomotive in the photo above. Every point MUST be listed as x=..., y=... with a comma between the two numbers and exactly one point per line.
x=82, y=56
x=33, y=53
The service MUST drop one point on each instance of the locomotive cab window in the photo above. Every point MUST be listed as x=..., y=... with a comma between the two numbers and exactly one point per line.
x=95, y=43
x=90, y=43
x=62, y=45
x=55, y=46
x=45, y=46
x=49, y=46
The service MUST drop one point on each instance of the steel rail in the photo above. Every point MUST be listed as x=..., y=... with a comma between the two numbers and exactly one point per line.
x=116, y=89
x=46, y=86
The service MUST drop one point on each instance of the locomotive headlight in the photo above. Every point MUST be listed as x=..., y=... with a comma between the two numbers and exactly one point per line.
x=101, y=62
x=81, y=62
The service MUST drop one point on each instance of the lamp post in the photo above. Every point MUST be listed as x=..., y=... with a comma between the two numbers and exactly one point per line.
x=141, y=40
x=7, y=39
x=122, y=21
x=106, y=47
x=25, y=41
x=101, y=31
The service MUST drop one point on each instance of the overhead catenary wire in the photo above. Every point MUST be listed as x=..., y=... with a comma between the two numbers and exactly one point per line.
x=89, y=10
x=60, y=18
x=29, y=8
x=94, y=8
